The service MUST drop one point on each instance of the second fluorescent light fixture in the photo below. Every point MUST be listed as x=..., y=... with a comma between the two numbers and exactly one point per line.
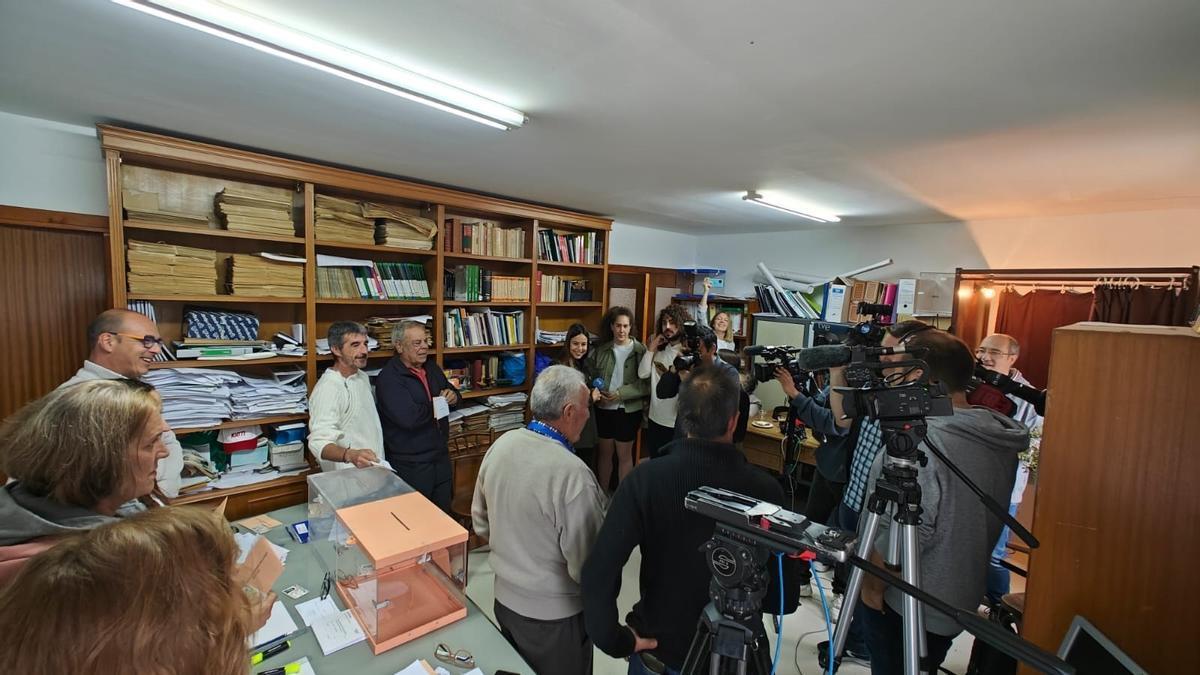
x=249, y=30
x=752, y=196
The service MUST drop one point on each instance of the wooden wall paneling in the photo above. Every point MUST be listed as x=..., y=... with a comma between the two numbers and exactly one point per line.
x=55, y=283
x=1116, y=510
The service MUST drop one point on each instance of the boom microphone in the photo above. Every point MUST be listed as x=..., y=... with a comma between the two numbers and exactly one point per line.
x=835, y=356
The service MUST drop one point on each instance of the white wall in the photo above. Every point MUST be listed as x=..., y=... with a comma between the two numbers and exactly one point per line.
x=638, y=245
x=49, y=165
x=1129, y=239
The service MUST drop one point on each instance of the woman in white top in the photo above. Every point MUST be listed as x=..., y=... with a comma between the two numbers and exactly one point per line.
x=622, y=394
x=720, y=322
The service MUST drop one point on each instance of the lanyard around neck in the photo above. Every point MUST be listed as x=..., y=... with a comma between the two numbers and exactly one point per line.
x=543, y=429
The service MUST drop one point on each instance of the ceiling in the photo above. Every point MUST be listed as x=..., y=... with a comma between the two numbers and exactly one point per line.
x=663, y=113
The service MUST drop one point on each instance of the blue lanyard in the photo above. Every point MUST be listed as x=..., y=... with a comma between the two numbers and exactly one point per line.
x=543, y=429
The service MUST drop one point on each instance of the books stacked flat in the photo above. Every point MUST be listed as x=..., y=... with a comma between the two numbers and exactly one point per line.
x=380, y=328
x=508, y=411
x=394, y=227
x=171, y=270
x=142, y=207
x=266, y=277
x=342, y=220
x=256, y=210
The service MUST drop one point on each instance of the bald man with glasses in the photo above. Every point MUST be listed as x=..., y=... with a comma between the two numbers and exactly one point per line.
x=123, y=345
x=998, y=353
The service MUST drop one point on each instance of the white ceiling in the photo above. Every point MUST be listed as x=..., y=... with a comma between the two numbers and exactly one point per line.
x=662, y=112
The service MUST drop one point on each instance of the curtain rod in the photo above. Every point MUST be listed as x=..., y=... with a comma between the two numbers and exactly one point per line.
x=975, y=276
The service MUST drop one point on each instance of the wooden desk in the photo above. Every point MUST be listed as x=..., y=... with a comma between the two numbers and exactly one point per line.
x=252, y=500
x=764, y=447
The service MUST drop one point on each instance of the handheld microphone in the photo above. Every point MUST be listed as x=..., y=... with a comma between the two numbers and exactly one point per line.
x=598, y=383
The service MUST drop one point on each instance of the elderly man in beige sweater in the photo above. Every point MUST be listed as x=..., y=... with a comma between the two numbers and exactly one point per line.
x=541, y=508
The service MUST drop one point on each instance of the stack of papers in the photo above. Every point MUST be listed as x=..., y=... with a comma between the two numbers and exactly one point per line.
x=379, y=328
x=334, y=629
x=395, y=227
x=279, y=625
x=323, y=345
x=281, y=393
x=142, y=207
x=169, y=269
x=262, y=276
x=194, y=397
x=508, y=411
x=342, y=220
x=256, y=210
x=551, y=337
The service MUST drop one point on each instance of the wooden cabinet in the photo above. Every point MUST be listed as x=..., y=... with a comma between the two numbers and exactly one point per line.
x=1117, y=511
x=186, y=176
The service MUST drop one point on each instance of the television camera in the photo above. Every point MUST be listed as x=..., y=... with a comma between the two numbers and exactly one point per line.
x=991, y=389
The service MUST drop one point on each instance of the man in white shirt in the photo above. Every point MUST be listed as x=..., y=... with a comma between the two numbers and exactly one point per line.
x=541, y=524
x=663, y=348
x=998, y=353
x=124, y=343
x=344, y=429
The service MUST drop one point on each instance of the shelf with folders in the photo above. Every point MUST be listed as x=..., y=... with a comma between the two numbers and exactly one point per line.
x=147, y=162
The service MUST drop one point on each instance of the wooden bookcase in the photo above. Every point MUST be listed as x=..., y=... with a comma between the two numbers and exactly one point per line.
x=191, y=172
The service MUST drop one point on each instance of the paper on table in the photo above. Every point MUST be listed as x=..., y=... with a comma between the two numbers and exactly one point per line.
x=338, y=632
x=419, y=667
x=258, y=524
x=312, y=611
x=261, y=568
x=441, y=407
x=247, y=540
x=279, y=625
x=307, y=669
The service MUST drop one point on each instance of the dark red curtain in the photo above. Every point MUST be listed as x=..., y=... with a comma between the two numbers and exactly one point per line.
x=1143, y=305
x=1031, y=318
x=971, y=315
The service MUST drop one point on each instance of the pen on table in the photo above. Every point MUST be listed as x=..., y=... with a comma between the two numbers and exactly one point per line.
x=289, y=669
x=268, y=653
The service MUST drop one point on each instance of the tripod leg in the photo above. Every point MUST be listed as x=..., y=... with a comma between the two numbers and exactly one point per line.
x=914, y=622
x=854, y=586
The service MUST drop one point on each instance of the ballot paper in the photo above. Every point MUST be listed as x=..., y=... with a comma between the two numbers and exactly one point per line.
x=441, y=407
x=246, y=542
x=338, y=632
x=317, y=609
x=418, y=667
x=258, y=524
x=279, y=625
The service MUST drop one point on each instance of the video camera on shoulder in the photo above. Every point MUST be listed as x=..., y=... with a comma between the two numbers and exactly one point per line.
x=869, y=333
x=690, y=347
x=992, y=390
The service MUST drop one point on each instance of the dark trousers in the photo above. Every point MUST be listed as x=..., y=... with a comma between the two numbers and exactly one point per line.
x=432, y=479
x=823, y=498
x=656, y=437
x=885, y=640
x=556, y=647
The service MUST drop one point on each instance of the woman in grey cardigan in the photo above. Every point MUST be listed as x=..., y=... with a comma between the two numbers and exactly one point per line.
x=622, y=394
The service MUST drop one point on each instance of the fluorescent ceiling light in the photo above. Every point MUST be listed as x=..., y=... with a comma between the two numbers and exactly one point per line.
x=752, y=196
x=275, y=39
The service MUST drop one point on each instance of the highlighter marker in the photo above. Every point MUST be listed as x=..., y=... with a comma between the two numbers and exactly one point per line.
x=268, y=653
x=289, y=669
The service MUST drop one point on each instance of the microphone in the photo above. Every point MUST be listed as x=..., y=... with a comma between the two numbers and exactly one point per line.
x=598, y=383
x=824, y=357
x=756, y=350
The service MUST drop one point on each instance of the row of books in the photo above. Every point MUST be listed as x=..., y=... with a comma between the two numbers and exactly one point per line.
x=473, y=374
x=574, y=247
x=786, y=303
x=484, y=328
x=554, y=288
x=169, y=269
x=483, y=237
x=472, y=283
x=379, y=281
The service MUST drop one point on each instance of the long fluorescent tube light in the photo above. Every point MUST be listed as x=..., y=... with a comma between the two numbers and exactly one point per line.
x=752, y=196
x=272, y=38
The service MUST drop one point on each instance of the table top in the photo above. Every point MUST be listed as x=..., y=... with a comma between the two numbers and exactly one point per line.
x=773, y=433
x=475, y=633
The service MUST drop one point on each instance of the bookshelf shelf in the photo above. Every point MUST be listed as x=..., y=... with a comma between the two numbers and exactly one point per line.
x=215, y=298
x=483, y=393
x=485, y=258
x=225, y=363
x=571, y=304
x=366, y=301
x=586, y=266
x=500, y=303
x=377, y=354
x=274, y=419
x=225, y=234
x=374, y=248
x=484, y=348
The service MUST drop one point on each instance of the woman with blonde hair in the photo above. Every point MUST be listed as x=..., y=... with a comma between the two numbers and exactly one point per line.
x=153, y=593
x=75, y=455
x=720, y=322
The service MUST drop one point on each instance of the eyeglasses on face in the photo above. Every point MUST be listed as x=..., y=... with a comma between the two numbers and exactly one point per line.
x=461, y=658
x=991, y=352
x=148, y=341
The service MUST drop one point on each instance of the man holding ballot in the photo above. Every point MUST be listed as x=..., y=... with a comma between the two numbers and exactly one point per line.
x=414, y=400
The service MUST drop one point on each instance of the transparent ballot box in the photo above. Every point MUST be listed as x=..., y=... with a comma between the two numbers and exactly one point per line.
x=401, y=567
x=333, y=490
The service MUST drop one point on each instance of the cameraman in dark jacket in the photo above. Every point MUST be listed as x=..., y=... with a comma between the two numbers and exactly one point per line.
x=700, y=344
x=414, y=436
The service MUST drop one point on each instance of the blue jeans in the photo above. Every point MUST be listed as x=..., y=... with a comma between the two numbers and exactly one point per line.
x=998, y=576
x=885, y=632
x=636, y=667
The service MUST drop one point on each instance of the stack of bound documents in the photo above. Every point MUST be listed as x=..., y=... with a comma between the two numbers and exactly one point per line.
x=394, y=227
x=170, y=269
x=281, y=393
x=256, y=210
x=142, y=207
x=342, y=220
x=266, y=275
x=194, y=397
